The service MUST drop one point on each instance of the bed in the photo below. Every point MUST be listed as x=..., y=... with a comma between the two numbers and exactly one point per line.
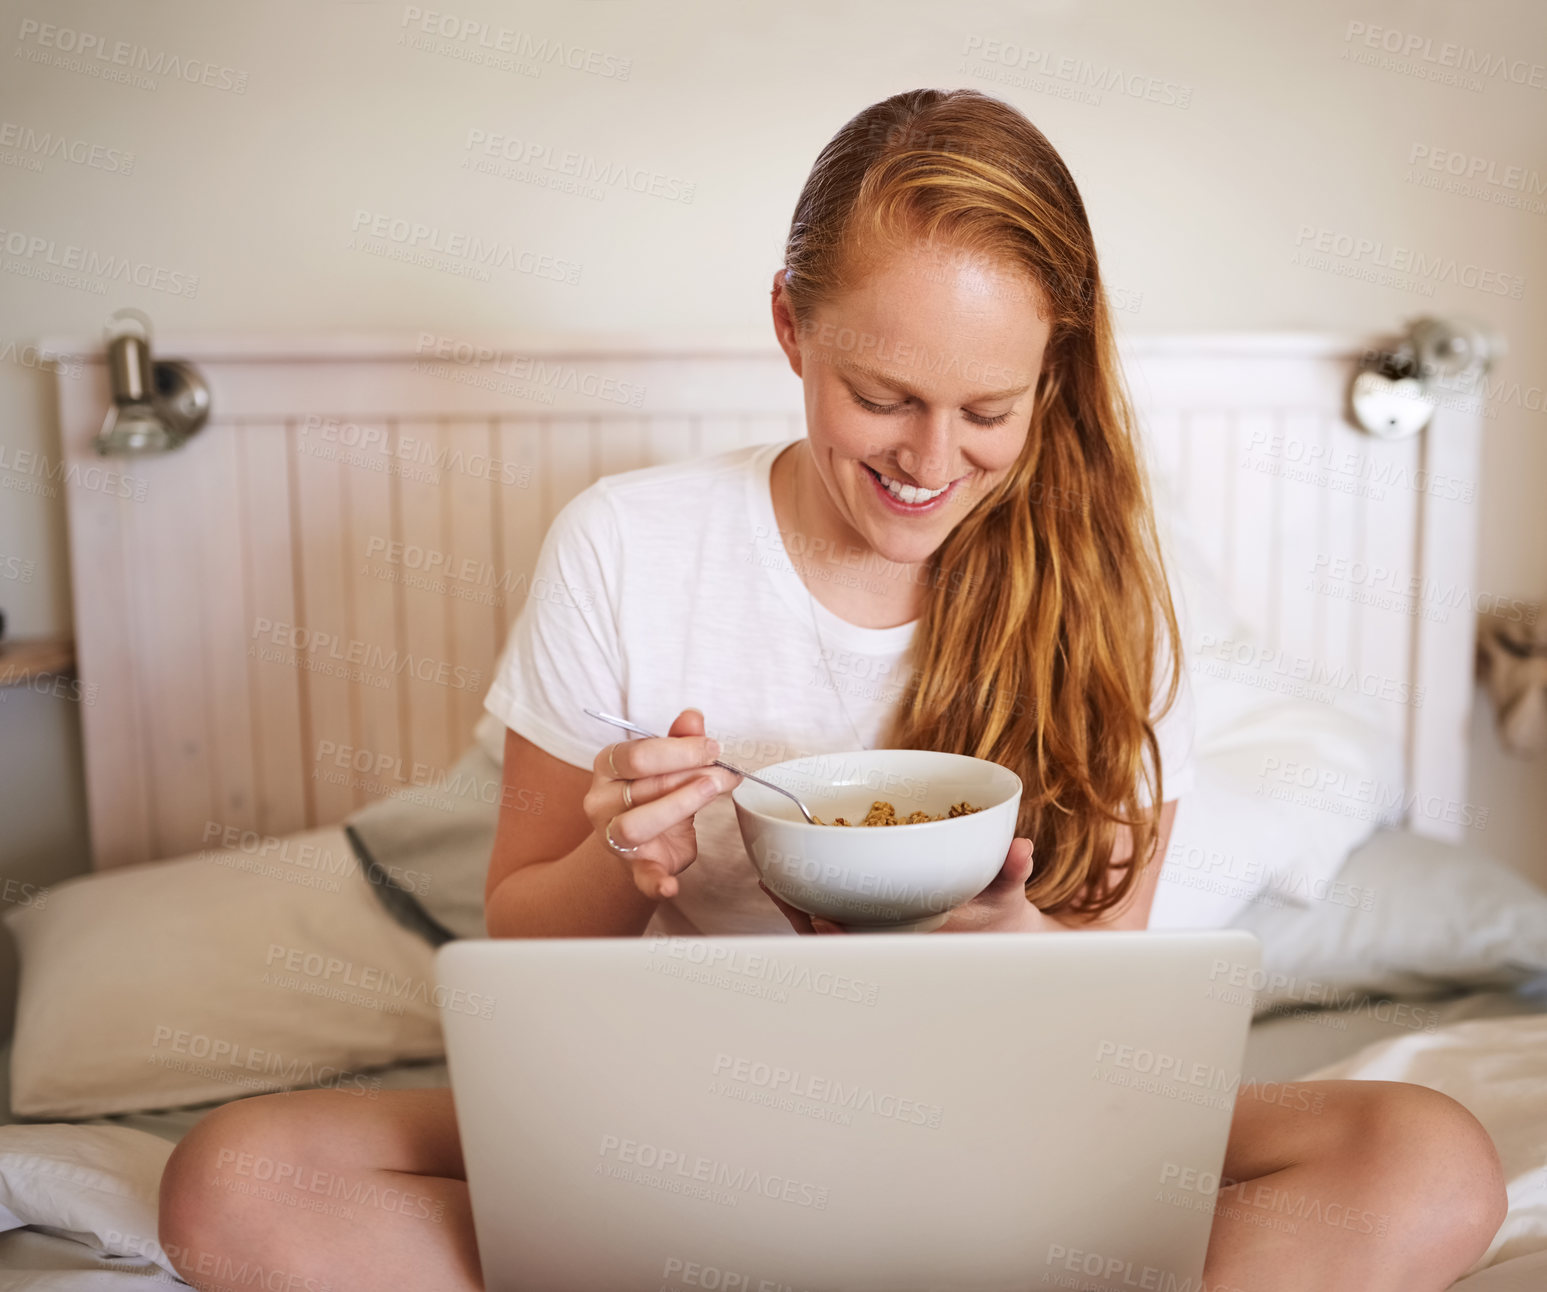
x=393, y=492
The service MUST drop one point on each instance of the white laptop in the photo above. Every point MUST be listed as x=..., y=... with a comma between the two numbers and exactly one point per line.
x=888, y=1113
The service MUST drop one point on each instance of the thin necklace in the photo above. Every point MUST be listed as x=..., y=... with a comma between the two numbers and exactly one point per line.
x=821, y=646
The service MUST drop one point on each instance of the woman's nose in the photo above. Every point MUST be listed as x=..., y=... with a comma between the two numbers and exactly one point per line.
x=928, y=453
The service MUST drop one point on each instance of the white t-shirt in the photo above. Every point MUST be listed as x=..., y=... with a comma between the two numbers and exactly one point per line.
x=669, y=588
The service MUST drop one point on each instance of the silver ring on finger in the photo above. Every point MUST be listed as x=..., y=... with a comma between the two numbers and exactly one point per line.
x=628, y=795
x=617, y=848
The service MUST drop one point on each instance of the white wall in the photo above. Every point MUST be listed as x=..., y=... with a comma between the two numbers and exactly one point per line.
x=1264, y=123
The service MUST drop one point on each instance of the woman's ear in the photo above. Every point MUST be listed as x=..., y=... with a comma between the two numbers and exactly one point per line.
x=784, y=322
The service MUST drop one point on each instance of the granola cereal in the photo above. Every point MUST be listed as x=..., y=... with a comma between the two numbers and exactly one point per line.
x=883, y=813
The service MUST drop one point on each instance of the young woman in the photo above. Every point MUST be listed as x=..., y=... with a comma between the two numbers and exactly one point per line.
x=959, y=556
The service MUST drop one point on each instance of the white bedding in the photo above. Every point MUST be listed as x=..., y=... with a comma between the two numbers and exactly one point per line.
x=95, y=1237
x=95, y=1186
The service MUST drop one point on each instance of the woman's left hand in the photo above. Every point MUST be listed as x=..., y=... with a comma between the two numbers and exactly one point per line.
x=1000, y=908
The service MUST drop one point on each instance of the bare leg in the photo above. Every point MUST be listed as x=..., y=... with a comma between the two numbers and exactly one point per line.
x=316, y=1189
x=1352, y=1186
x=1335, y=1186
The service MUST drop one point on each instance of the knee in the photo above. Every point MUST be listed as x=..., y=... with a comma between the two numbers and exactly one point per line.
x=198, y=1225
x=1433, y=1158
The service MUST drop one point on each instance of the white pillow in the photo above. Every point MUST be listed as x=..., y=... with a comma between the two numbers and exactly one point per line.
x=1235, y=843
x=1408, y=916
x=209, y=977
x=1247, y=832
x=98, y=1185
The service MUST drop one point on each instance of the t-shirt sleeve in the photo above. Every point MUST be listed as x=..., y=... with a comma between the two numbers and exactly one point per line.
x=563, y=654
x=1175, y=731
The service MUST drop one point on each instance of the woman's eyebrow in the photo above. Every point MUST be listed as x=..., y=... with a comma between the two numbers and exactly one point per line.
x=876, y=374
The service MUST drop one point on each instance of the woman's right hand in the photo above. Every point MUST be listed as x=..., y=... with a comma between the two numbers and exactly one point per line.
x=669, y=779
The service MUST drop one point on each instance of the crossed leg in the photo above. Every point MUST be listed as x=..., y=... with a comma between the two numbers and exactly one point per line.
x=322, y=1189
x=1330, y=1186
x=1352, y=1186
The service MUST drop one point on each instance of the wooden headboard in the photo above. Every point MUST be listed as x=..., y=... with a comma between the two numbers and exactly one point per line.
x=299, y=610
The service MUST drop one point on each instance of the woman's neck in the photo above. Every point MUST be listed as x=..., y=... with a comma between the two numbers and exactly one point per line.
x=846, y=574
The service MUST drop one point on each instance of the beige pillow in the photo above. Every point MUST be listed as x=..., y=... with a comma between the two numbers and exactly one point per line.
x=209, y=977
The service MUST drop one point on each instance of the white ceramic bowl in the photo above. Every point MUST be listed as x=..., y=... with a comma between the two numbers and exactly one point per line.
x=880, y=878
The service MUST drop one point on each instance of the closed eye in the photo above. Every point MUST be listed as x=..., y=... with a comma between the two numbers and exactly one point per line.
x=975, y=418
x=874, y=408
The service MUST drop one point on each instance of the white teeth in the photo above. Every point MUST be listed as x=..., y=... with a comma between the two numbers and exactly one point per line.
x=909, y=493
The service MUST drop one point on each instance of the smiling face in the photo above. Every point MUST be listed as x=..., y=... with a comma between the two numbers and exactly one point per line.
x=919, y=379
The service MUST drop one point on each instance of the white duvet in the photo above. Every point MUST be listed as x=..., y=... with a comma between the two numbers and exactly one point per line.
x=94, y=1187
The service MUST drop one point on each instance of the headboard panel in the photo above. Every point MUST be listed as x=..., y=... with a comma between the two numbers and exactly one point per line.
x=298, y=611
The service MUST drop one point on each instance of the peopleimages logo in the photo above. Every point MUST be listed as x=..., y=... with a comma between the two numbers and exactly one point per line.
x=317, y=648
x=1271, y=660
x=106, y=56
x=548, y=374
x=1419, y=270
x=224, y=1059
x=757, y=970
x=1391, y=588
x=1328, y=465
x=532, y=161
x=375, y=446
x=27, y=471
x=1118, y=1271
x=468, y=250
x=668, y=1164
x=1336, y=790
x=1482, y=170
x=474, y=36
x=1417, y=54
x=35, y=252
x=333, y=971
x=1080, y=72
x=681, y=1273
x=79, y=152
x=818, y=1089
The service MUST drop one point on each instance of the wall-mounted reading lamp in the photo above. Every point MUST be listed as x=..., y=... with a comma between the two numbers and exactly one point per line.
x=1395, y=391
x=157, y=404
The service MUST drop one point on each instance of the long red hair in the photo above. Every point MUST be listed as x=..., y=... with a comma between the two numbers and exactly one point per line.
x=1037, y=641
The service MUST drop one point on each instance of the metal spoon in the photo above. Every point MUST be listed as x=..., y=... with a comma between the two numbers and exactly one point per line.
x=719, y=762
